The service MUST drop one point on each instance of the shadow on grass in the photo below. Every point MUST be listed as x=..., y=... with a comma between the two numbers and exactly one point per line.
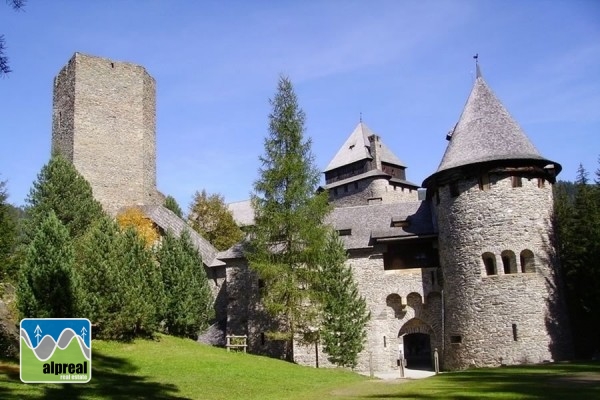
x=557, y=381
x=112, y=378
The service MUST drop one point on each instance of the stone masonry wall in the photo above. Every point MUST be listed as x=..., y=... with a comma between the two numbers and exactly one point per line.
x=373, y=189
x=481, y=310
x=104, y=122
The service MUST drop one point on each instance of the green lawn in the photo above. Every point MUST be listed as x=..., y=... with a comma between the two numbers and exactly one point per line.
x=172, y=368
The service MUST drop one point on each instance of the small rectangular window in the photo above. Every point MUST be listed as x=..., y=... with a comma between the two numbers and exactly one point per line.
x=541, y=183
x=384, y=341
x=454, y=189
x=484, y=182
x=517, y=181
x=456, y=339
x=355, y=185
x=262, y=338
x=345, y=188
x=514, y=329
x=437, y=197
x=345, y=232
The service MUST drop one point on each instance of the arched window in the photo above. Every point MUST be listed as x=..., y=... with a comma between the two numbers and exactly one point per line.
x=509, y=262
x=527, y=261
x=489, y=260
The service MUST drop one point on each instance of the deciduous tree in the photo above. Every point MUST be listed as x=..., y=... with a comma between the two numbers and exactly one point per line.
x=134, y=218
x=210, y=217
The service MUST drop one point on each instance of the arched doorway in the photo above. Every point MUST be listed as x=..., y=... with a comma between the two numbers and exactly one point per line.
x=416, y=348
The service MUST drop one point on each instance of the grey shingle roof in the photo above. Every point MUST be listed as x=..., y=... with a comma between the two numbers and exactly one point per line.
x=486, y=132
x=368, y=223
x=357, y=147
x=242, y=212
x=371, y=221
x=169, y=222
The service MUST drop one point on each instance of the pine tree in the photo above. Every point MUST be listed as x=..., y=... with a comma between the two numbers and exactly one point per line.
x=142, y=297
x=578, y=226
x=8, y=234
x=286, y=242
x=171, y=204
x=345, y=314
x=210, y=217
x=188, y=296
x=60, y=188
x=46, y=286
x=99, y=280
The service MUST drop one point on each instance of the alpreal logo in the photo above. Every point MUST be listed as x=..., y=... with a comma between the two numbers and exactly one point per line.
x=56, y=350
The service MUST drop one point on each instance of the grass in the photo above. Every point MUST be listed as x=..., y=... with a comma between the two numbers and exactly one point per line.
x=172, y=368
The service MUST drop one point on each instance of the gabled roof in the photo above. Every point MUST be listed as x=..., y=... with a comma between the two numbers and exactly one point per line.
x=486, y=132
x=168, y=221
x=357, y=147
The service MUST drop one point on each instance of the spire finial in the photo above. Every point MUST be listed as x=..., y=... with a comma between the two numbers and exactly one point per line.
x=477, y=70
x=360, y=117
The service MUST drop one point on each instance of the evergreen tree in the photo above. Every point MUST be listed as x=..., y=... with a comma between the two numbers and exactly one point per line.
x=8, y=233
x=99, y=277
x=60, y=188
x=286, y=242
x=141, y=300
x=577, y=219
x=345, y=314
x=172, y=205
x=45, y=288
x=210, y=217
x=188, y=296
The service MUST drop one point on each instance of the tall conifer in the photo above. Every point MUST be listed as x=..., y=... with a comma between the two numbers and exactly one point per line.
x=46, y=286
x=287, y=239
x=345, y=314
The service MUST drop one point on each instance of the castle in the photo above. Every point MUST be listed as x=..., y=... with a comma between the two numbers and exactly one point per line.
x=469, y=269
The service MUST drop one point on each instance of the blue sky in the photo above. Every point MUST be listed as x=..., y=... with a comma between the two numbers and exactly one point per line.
x=406, y=65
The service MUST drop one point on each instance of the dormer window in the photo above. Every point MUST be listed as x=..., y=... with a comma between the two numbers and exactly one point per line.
x=400, y=222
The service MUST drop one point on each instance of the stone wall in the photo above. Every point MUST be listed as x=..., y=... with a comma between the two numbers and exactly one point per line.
x=502, y=318
x=377, y=190
x=104, y=122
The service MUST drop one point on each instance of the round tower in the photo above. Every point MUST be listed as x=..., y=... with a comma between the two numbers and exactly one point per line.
x=492, y=200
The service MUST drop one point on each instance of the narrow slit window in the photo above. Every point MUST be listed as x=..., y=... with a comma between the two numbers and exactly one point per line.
x=484, y=182
x=517, y=181
x=454, y=189
x=541, y=183
x=514, y=332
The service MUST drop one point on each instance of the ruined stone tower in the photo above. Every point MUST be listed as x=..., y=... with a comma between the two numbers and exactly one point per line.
x=104, y=123
x=492, y=198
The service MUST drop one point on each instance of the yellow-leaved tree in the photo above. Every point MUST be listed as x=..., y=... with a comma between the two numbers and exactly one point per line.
x=135, y=218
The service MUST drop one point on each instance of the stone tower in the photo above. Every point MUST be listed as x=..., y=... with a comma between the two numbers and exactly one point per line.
x=492, y=198
x=104, y=123
x=365, y=171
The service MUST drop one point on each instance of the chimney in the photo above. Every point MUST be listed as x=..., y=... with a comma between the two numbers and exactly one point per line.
x=376, y=151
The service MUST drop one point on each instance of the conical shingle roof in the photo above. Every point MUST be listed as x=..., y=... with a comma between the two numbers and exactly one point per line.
x=486, y=132
x=357, y=147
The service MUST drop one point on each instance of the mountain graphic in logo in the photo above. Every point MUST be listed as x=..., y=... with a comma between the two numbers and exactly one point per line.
x=56, y=350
